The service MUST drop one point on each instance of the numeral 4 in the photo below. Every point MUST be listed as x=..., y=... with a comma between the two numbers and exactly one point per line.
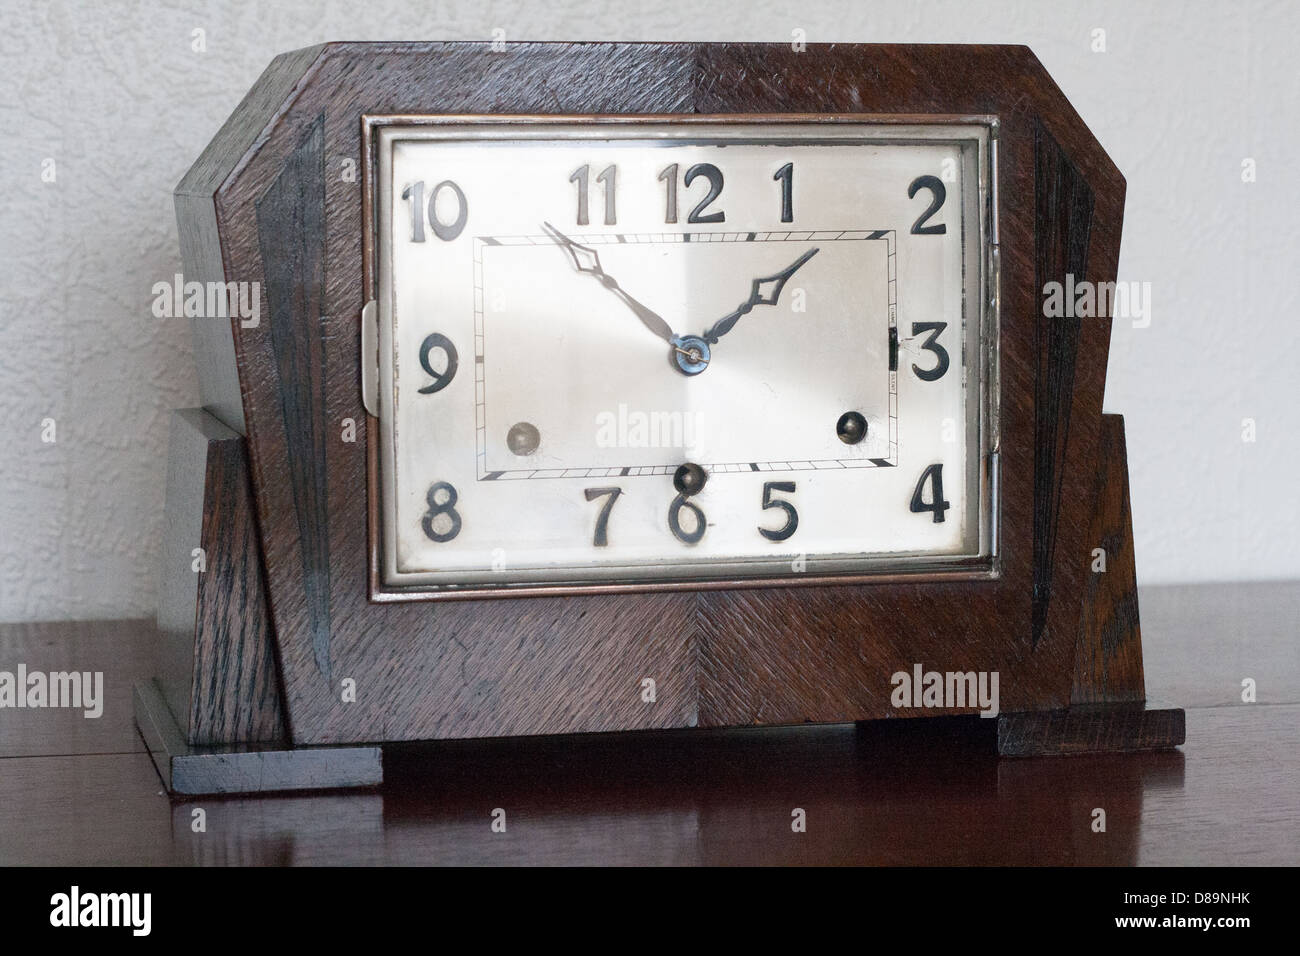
x=936, y=505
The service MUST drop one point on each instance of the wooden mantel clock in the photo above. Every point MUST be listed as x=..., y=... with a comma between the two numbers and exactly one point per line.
x=607, y=387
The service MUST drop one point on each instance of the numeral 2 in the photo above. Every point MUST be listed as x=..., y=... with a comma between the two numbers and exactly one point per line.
x=939, y=193
x=714, y=175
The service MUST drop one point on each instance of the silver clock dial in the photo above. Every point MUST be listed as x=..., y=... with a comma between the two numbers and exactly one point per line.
x=666, y=352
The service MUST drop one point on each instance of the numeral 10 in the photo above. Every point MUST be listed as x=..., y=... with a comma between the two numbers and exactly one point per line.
x=414, y=194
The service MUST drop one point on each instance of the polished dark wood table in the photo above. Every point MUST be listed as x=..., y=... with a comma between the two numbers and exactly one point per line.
x=77, y=791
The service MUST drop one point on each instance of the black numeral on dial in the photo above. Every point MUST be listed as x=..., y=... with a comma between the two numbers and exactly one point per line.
x=791, y=516
x=785, y=176
x=932, y=343
x=447, y=507
x=938, y=194
x=601, y=538
x=608, y=180
x=414, y=193
x=668, y=176
x=714, y=175
x=675, y=523
x=440, y=379
x=936, y=505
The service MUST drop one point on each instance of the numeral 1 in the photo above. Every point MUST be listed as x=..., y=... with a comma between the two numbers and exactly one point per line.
x=785, y=176
x=668, y=176
x=415, y=194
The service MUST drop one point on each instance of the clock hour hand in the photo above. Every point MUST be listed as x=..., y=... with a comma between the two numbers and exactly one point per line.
x=586, y=261
x=758, y=295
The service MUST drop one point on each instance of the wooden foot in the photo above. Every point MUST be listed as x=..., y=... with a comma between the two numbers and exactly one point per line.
x=1091, y=728
x=1108, y=709
x=217, y=666
x=246, y=768
x=213, y=717
x=1108, y=651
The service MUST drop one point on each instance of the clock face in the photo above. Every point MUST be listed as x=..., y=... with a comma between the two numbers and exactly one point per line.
x=637, y=352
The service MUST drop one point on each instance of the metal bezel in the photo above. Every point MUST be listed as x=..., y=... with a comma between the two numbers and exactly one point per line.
x=378, y=134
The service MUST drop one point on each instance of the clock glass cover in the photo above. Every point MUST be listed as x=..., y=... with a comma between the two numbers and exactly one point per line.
x=621, y=352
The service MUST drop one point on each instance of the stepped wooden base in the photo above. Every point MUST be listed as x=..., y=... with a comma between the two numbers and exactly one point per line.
x=198, y=771
x=214, y=719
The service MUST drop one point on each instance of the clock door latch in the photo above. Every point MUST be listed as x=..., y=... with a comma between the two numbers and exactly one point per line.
x=370, y=357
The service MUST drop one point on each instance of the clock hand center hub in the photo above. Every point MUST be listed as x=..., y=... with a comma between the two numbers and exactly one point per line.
x=690, y=354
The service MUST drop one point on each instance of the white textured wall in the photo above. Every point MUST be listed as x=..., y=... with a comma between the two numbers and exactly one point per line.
x=115, y=95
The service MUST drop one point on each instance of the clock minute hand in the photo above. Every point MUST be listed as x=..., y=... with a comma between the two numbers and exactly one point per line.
x=585, y=260
x=757, y=296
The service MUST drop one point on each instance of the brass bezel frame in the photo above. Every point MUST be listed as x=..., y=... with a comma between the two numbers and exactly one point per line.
x=920, y=569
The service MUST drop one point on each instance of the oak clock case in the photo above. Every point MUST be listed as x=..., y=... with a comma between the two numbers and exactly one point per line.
x=543, y=279
x=329, y=621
